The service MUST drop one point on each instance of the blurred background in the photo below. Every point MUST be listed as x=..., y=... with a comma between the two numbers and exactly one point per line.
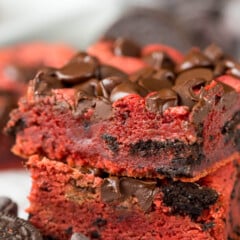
x=80, y=23
x=179, y=23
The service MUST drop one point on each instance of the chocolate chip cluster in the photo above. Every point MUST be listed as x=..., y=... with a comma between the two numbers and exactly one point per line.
x=165, y=83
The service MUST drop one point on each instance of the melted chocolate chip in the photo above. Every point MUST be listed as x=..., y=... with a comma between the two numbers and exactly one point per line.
x=16, y=228
x=80, y=68
x=125, y=89
x=109, y=83
x=91, y=87
x=213, y=52
x=223, y=65
x=194, y=59
x=189, y=85
x=125, y=47
x=21, y=73
x=45, y=81
x=161, y=100
x=120, y=189
x=7, y=206
x=109, y=71
x=79, y=236
x=157, y=80
x=159, y=60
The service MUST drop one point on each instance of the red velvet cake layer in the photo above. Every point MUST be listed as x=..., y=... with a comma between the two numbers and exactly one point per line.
x=107, y=207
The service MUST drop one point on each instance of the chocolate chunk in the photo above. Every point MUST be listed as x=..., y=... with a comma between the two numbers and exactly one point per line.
x=125, y=47
x=110, y=190
x=125, y=89
x=146, y=72
x=188, y=198
x=91, y=87
x=15, y=228
x=102, y=109
x=21, y=73
x=213, y=52
x=120, y=189
x=79, y=236
x=45, y=81
x=111, y=142
x=80, y=68
x=189, y=85
x=109, y=71
x=159, y=59
x=109, y=83
x=161, y=100
x=144, y=191
x=7, y=206
x=223, y=65
x=157, y=80
x=235, y=70
x=194, y=59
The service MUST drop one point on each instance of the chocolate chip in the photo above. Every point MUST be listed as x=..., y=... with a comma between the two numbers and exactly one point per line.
x=80, y=68
x=161, y=100
x=189, y=84
x=7, y=206
x=110, y=190
x=194, y=59
x=109, y=71
x=91, y=87
x=79, y=236
x=109, y=83
x=125, y=89
x=234, y=71
x=222, y=66
x=15, y=228
x=45, y=81
x=159, y=59
x=157, y=80
x=21, y=73
x=214, y=52
x=125, y=47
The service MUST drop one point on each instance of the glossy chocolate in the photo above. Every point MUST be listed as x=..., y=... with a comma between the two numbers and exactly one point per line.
x=161, y=100
x=125, y=47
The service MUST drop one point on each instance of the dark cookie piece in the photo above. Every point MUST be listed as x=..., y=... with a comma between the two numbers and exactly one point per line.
x=161, y=100
x=13, y=228
x=188, y=198
x=79, y=236
x=125, y=47
x=7, y=206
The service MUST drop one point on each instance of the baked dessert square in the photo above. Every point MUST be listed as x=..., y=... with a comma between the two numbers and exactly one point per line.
x=130, y=142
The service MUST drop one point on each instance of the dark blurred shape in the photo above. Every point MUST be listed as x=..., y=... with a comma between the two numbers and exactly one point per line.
x=178, y=23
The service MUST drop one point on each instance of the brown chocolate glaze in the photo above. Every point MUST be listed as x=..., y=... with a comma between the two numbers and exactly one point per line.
x=125, y=47
x=187, y=80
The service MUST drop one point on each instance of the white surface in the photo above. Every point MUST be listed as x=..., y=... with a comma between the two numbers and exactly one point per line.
x=16, y=185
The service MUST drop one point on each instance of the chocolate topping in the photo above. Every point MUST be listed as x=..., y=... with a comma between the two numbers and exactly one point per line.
x=16, y=228
x=156, y=80
x=125, y=89
x=189, y=85
x=120, y=189
x=7, y=206
x=109, y=71
x=213, y=52
x=194, y=59
x=159, y=60
x=235, y=70
x=80, y=68
x=109, y=83
x=161, y=100
x=125, y=47
x=45, y=81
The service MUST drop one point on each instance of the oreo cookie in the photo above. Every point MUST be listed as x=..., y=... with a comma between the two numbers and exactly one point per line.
x=7, y=206
x=14, y=228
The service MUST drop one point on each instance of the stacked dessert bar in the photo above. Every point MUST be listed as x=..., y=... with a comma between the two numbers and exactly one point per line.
x=128, y=142
x=18, y=65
